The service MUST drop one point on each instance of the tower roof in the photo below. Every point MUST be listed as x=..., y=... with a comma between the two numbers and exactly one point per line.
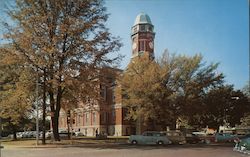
x=142, y=18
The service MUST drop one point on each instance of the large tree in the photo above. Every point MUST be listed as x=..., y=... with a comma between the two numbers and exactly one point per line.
x=67, y=42
x=16, y=98
x=245, y=121
x=143, y=93
x=168, y=89
x=224, y=106
x=192, y=79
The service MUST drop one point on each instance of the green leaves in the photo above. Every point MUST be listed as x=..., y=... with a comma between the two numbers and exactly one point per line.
x=168, y=89
x=16, y=96
x=220, y=106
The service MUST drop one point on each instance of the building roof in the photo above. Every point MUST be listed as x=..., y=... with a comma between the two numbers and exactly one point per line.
x=142, y=18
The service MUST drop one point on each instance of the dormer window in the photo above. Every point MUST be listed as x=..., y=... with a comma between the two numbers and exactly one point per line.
x=150, y=28
x=142, y=27
x=134, y=29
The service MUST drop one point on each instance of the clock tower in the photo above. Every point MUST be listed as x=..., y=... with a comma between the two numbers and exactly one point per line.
x=143, y=37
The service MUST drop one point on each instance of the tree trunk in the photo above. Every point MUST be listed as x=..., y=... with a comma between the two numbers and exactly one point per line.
x=55, y=128
x=13, y=131
x=173, y=125
x=139, y=125
x=54, y=117
x=58, y=107
x=55, y=111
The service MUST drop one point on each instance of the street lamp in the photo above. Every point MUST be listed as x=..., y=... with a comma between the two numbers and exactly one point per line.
x=225, y=119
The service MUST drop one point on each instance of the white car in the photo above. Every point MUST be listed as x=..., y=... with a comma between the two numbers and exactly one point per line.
x=78, y=133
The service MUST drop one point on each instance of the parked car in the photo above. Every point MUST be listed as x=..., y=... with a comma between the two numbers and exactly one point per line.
x=176, y=137
x=150, y=137
x=204, y=137
x=48, y=134
x=64, y=135
x=19, y=134
x=78, y=133
x=101, y=136
x=225, y=137
x=193, y=138
x=242, y=144
x=28, y=134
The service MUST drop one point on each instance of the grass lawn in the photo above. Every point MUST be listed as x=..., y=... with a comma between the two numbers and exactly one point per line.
x=19, y=142
x=75, y=141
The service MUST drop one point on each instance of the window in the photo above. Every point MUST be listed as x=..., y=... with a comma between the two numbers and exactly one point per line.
x=142, y=27
x=149, y=134
x=104, y=117
x=113, y=115
x=150, y=28
x=157, y=134
x=142, y=45
x=107, y=116
x=78, y=120
x=87, y=117
x=103, y=92
x=113, y=95
x=94, y=117
x=134, y=29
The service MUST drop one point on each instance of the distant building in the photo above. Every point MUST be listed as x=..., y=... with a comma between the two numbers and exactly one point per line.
x=108, y=116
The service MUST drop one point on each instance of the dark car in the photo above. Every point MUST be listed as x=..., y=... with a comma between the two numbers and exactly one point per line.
x=176, y=137
x=192, y=138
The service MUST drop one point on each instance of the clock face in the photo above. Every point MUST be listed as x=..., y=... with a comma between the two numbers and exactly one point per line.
x=134, y=46
x=151, y=44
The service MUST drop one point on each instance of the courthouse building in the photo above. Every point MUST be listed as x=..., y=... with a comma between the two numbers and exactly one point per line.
x=108, y=117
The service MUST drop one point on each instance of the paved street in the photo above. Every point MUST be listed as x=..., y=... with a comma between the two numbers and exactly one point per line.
x=123, y=151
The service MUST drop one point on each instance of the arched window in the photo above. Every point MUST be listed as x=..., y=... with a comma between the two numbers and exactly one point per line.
x=142, y=45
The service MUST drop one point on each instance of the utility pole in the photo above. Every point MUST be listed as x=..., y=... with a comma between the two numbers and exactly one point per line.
x=37, y=112
x=44, y=107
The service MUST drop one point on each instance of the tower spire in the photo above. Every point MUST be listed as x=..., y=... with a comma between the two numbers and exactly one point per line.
x=143, y=37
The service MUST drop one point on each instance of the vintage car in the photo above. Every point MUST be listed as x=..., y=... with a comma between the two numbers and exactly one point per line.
x=242, y=145
x=193, y=138
x=225, y=137
x=149, y=137
x=176, y=137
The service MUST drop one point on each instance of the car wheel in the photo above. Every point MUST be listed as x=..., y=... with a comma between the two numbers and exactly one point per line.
x=134, y=142
x=160, y=143
x=207, y=141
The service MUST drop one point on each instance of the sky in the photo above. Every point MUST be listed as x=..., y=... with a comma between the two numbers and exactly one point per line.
x=217, y=29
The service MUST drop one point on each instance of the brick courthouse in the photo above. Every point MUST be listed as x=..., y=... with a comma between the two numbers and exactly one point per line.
x=109, y=117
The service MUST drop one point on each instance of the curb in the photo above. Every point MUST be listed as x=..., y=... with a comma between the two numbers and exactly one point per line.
x=242, y=151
